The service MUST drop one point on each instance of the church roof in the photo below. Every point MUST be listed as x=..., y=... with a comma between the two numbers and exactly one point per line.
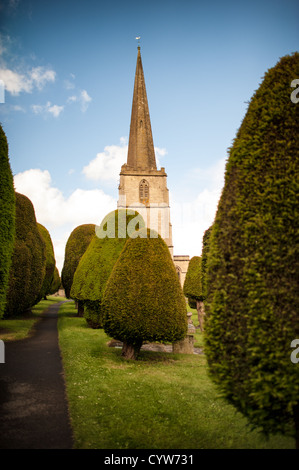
x=141, y=154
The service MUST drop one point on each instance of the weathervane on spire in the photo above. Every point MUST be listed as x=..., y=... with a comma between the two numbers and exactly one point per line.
x=138, y=39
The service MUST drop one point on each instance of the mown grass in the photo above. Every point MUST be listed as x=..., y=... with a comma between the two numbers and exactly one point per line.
x=19, y=327
x=161, y=401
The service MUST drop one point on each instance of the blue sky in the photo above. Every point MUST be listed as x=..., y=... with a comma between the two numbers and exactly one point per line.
x=68, y=68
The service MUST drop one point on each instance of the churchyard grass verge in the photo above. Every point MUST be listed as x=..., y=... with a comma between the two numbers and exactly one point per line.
x=20, y=326
x=160, y=401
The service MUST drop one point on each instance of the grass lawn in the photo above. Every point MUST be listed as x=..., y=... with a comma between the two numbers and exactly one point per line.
x=161, y=401
x=15, y=328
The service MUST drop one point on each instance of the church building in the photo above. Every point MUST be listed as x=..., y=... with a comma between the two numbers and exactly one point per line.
x=142, y=187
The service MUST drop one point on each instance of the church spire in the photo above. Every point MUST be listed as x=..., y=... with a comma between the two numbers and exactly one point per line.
x=141, y=154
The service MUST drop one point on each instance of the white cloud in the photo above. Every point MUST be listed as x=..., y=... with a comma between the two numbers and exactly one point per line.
x=39, y=76
x=190, y=219
x=60, y=215
x=72, y=99
x=48, y=108
x=85, y=99
x=16, y=82
x=55, y=110
x=106, y=166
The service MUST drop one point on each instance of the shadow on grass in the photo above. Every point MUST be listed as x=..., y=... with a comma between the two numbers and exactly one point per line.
x=143, y=356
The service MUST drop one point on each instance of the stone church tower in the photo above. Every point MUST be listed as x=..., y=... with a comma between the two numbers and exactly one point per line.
x=142, y=186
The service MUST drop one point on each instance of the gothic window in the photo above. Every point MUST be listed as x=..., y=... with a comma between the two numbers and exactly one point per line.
x=178, y=271
x=143, y=192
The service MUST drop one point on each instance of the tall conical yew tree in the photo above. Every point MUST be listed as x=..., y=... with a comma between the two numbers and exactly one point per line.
x=143, y=299
x=204, y=258
x=7, y=218
x=50, y=261
x=97, y=262
x=252, y=305
x=27, y=270
x=193, y=287
x=75, y=248
x=56, y=282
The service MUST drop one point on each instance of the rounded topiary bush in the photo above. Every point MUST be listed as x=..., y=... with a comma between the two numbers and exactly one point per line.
x=253, y=260
x=97, y=263
x=143, y=299
x=7, y=218
x=27, y=270
x=75, y=248
x=50, y=261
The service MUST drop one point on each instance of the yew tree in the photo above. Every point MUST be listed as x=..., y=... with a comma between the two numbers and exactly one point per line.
x=28, y=265
x=193, y=287
x=75, y=248
x=98, y=261
x=143, y=299
x=252, y=304
x=56, y=282
x=50, y=261
x=7, y=218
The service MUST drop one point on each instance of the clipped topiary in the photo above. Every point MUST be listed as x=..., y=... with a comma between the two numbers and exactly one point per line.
x=50, y=262
x=143, y=299
x=252, y=307
x=97, y=262
x=193, y=288
x=7, y=218
x=75, y=248
x=27, y=270
x=56, y=282
x=204, y=258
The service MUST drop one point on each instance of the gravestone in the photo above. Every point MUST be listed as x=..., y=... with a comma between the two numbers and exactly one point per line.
x=186, y=345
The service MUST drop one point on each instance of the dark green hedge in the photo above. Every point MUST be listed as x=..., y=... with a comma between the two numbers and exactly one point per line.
x=75, y=248
x=50, y=261
x=96, y=265
x=27, y=270
x=143, y=299
x=252, y=280
x=7, y=218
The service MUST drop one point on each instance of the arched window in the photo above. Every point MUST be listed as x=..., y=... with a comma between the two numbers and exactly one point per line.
x=178, y=271
x=143, y=192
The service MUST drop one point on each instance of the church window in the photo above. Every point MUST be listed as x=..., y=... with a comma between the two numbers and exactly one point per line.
x=144, y=192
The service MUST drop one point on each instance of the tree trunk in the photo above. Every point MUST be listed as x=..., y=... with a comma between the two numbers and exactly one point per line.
x=80, y=307
x=131, y=351
x=200, y=313
x=296, y=420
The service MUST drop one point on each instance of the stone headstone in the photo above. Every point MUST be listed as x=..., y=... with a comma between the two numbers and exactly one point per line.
x=186, y=345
